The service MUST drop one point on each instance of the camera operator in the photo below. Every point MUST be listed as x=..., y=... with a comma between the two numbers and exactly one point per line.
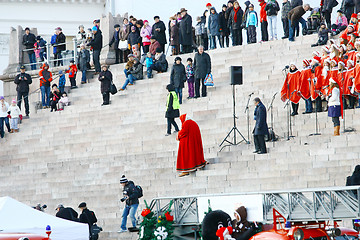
x=23, y=80
x=40, y=208
x=131, y=203
x=66, y=213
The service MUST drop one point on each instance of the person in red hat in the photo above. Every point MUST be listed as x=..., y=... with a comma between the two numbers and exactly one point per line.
x=345, y=36
x=263, y=22
x=332, y=74
x=206, y=15
x=304, y=86
x=357, y=75
x=347, y=84
x=316, y=81
x=290, y=88
x=190, y=154
x=351, y=51
x=145, y=34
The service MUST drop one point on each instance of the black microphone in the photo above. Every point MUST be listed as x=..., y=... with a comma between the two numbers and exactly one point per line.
x=251, y=94
x=286, y=67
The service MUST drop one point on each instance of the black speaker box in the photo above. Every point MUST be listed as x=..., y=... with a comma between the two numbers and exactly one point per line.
x=236, y=73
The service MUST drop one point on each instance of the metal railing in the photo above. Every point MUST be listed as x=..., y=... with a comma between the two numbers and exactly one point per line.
x=47, y=58
x=316, y=204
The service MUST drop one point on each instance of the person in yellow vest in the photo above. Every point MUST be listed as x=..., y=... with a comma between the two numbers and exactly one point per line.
x=172, y=109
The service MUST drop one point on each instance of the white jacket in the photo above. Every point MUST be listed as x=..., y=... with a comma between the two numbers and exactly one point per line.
x=4, y=109
x=15, y=111
x=334, y=99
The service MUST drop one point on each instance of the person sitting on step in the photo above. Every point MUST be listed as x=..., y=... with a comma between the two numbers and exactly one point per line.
x=160, y=64
x=54, y=97
x=135, y=73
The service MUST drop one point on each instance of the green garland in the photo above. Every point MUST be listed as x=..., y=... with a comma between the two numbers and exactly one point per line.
x=147, y=226
x=164, y=228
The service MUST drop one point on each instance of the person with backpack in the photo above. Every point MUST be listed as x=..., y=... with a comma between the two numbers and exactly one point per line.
x=131, y=195
x=272, y=8
x=89, y=218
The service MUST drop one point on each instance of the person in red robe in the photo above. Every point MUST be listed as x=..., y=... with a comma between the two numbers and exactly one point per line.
x=332, y=74
x=190, y=155
x=304, y=86
x=316, y=82
x=348, y=85
x=357, y=74
x=351, y=51
x=290, y=89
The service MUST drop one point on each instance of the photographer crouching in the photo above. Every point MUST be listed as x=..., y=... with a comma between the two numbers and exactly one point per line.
x=131, y=199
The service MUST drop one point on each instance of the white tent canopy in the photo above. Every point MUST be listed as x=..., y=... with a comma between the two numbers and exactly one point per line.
x=20, y=218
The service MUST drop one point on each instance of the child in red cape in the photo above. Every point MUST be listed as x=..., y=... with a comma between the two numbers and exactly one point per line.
x=190, y=154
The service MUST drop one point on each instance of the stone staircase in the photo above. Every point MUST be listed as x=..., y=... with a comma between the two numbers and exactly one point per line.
x=80, y=154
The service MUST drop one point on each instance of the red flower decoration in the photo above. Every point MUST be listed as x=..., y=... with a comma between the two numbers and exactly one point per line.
x=169, y=218
x=145, y=212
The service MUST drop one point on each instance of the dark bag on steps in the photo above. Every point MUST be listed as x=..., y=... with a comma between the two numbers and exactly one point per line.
x=113, y=89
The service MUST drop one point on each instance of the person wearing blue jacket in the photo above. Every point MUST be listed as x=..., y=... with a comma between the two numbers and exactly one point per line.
x=252, y=23
x=261, y=127
x=214, y=28
x=53, y=41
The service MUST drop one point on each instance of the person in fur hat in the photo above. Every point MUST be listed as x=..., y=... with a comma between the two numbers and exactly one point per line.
x=240, y=224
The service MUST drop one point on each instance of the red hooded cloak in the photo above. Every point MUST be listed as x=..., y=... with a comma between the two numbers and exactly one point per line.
x=190, y=154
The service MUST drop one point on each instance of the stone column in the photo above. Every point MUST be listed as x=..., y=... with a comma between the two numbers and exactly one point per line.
x=16, y=54
x=107, y=28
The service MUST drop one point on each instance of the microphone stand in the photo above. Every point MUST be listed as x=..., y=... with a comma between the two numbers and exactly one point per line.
x=316, y=122
x=271, y=111
x=287, y=104
x=350, y=129
x=248, y=117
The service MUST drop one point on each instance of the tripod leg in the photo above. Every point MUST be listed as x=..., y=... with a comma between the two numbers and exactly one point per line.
x=225, y=139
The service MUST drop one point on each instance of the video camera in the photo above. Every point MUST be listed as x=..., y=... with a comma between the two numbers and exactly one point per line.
x=125, y=196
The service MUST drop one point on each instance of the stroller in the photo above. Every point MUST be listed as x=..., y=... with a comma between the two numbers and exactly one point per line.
x=313, y=21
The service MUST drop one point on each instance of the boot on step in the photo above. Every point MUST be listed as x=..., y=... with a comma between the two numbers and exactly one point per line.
x=12, y=131
x=337, y=131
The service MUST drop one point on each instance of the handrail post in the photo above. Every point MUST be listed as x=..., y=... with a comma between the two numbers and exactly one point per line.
x=48, y=53
x=75, y=50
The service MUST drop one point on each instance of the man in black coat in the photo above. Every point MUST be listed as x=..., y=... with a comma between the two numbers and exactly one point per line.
x=66, y=213
x=115, y=40
x=60, y=45
x=178, y=77
x=326, y=10
x=202, y=67
x=29, y=40
x=89, y=218
x=96, y=44
x=23, y=80
x=158, y=31
x=105, y=77
x=347, y=7
x=261, y=128
x=224, y=29
x=186, y=31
